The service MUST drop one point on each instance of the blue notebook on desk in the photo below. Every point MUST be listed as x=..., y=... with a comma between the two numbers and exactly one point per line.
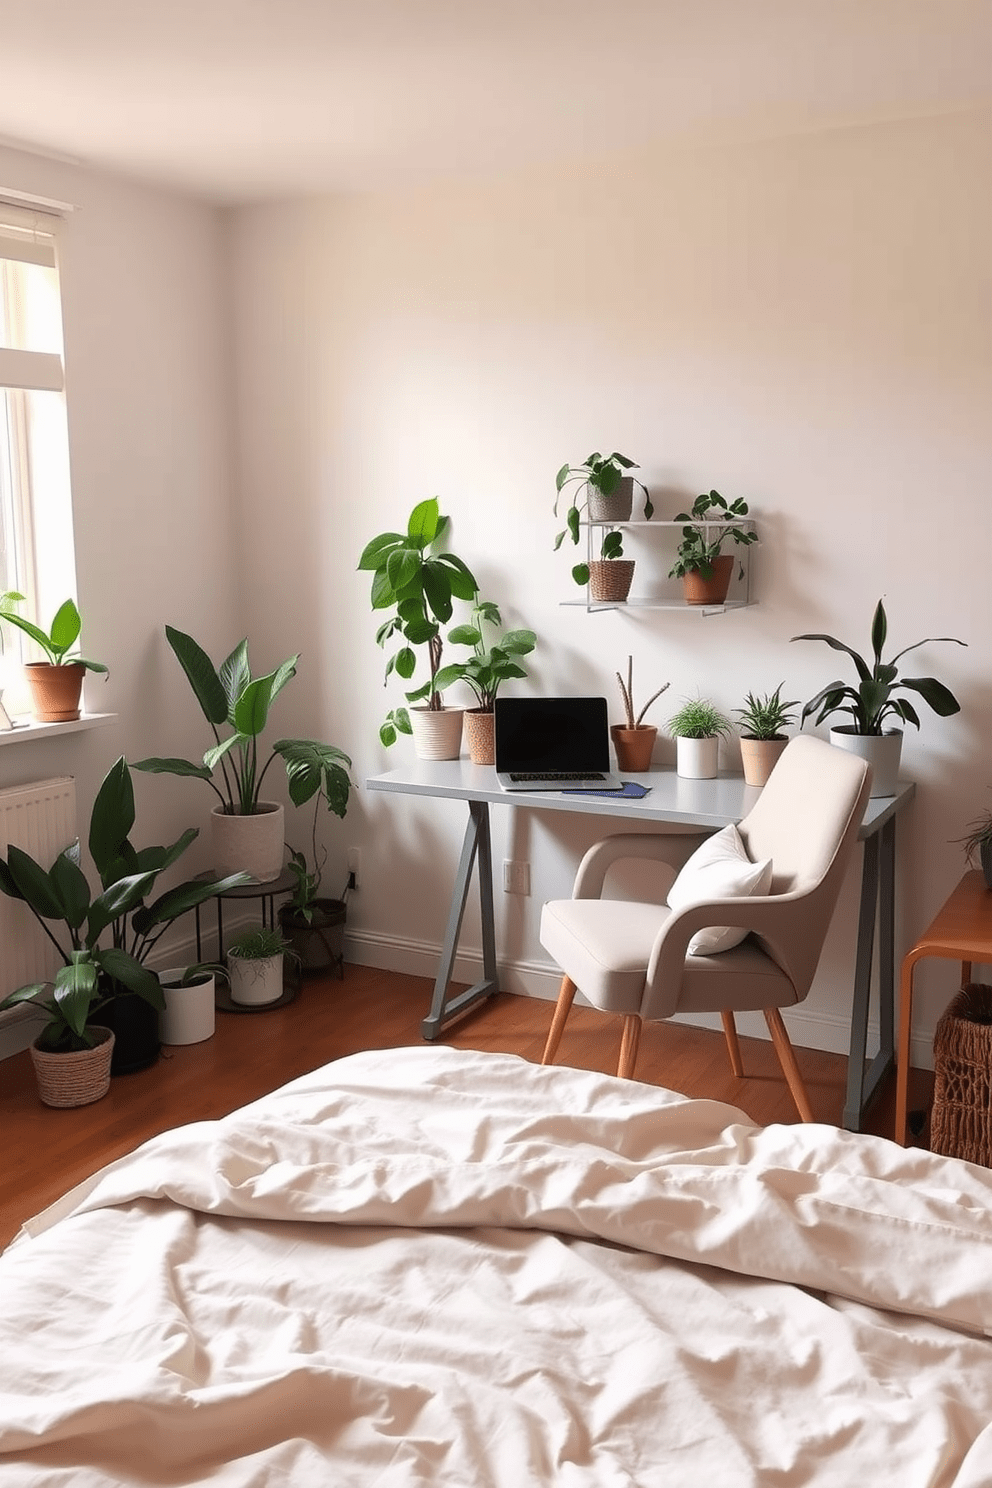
x=629, y=791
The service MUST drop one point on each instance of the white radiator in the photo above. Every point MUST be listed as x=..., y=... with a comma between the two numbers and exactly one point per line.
x=41, y=819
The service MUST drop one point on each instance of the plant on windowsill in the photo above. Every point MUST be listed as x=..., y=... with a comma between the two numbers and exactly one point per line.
x=606, y=492
x=419, y=584
x=486, y=671
x=634, y=739
x=697, y=728
x=876, y=700
x=705, y=570
x=248, y=832
x=55, y=684
x=763, y=721
x=110, y=978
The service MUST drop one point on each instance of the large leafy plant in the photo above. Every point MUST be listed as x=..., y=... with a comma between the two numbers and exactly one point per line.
x=57, y=643
x=105, y=939
x=875, y=698
x=231, y=697
x=418, y=584
x=488, y=669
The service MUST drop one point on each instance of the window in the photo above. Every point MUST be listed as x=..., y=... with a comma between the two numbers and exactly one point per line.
x=36, y=546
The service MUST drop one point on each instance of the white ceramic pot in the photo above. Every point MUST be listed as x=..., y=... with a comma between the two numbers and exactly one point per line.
x=189, y=1011
x=437, y=736
x=249, y=844
x=255, y=981
x=882, y=751
x=697, y=759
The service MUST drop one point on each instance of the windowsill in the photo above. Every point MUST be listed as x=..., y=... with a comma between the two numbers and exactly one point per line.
x=28, y=729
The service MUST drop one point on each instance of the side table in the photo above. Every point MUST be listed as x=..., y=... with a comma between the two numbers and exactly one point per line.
x=960, y=931
x=267, y=893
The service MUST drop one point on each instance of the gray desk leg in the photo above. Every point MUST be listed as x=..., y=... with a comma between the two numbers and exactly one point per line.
x=877, y=891
x=476, y=853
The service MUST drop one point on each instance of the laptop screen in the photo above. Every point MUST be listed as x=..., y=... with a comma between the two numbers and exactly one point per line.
x=551, y=734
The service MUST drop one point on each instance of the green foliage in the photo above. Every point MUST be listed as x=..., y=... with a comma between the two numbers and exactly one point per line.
x=419, y=584
x=602, y=473
x=698, y=718
x=634, y=720
x=57, y=643
x=875, y=699
x=764, y=717
x=232, y=697
x=701, y=544
x=91, y=972
x=258, y=944
x=487, y=670
x=977, y=835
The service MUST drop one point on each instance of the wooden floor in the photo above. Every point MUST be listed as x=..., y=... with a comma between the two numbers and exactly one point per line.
x=46, y=1152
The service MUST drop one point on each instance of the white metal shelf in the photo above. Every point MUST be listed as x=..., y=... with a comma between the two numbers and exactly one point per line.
x=647, y=528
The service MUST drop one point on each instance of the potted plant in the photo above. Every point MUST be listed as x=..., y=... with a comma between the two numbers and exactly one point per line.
x=634, y=739
x=705, y=570
x=763, y=720
x=255, y=966
x=606, y=493
x=486, y=671
x=419, y=583
x=313, y=924
x=977, y=842
x=248, y=832
x=875, y=700
x=189, y=994
x=696, y=728
x=111, y=978
x=55, y=684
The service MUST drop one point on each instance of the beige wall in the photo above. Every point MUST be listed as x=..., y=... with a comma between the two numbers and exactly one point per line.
x=804, y=322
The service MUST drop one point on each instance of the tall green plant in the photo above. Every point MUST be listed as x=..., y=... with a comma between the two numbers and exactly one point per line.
x=92, y=972
x=487, y=669
x=875, y=698
x=418, y=583
x=231, y=697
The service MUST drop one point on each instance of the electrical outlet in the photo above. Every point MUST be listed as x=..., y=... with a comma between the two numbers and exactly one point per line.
x=354, y=867
x=516, y=877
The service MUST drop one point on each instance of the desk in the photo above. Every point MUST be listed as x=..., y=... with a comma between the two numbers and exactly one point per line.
x=710, y=804
x=960, y=931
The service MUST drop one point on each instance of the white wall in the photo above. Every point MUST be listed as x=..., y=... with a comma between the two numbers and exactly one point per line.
x=146, y=311
x=804, y=322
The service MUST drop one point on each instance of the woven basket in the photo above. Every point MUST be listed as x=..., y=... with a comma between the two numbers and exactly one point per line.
x=610, y=579
x=75, y=1079
x=961, y=1119
x=480, y=731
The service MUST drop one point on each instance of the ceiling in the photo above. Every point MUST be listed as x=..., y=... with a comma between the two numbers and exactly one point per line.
x=240, y=100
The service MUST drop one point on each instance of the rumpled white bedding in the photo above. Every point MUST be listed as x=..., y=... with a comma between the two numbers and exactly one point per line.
x=426, y=1266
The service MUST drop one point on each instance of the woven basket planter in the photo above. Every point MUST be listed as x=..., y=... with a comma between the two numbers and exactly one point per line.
x=610, y=579
x=961, y=1119
x=75, y=1079
x=480, y=731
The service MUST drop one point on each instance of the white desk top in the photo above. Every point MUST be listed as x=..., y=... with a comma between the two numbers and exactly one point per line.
x=672, y=798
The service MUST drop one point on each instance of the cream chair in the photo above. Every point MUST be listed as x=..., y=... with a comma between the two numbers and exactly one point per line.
x=629, y=952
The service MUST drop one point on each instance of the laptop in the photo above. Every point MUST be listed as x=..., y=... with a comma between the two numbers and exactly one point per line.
x=553, y=744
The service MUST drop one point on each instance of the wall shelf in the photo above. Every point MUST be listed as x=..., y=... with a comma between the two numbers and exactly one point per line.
x=663, y=593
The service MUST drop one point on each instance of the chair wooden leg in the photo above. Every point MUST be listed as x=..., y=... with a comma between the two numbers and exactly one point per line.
x=563, y=1007
x=733, y=1045
x=787, y=1059
x=628, y=1045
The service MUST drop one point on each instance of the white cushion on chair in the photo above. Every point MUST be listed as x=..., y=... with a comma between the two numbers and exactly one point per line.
x=719, y=869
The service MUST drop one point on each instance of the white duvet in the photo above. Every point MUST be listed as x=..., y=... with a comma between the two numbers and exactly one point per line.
x=424, y=1266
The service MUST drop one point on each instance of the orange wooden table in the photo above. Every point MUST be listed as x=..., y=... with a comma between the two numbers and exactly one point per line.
x=961, y=931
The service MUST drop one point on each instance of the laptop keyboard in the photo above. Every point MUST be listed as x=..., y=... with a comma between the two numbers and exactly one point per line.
x=556, y=775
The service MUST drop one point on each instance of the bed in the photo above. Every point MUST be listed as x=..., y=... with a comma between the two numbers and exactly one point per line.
x=430, y=1266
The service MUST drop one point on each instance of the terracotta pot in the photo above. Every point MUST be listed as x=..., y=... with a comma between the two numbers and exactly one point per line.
x=615, y=508
x=759, y=758
x=437, y=735
x=249, y=844
x=610, y=579
x=698, y=590
x=75, y=1079
x=634, y=746
x=55, y=690
x=480, y=731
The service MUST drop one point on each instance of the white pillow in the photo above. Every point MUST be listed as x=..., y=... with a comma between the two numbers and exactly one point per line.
x=719, y=869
